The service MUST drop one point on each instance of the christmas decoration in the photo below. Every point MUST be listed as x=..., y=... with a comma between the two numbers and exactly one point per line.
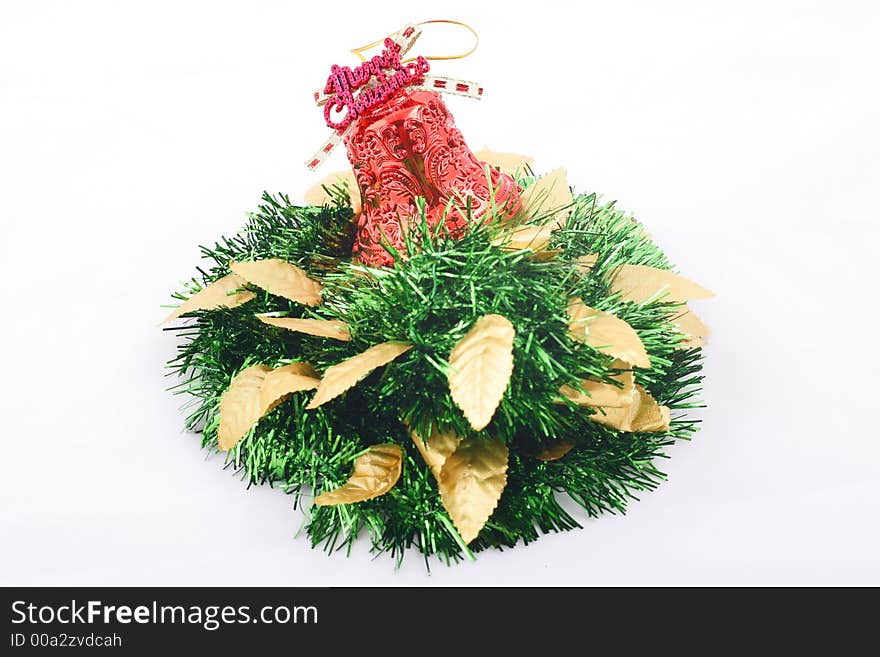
x=439, y=345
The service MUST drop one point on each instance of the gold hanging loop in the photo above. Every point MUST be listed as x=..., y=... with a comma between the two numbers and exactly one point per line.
x=359, y=52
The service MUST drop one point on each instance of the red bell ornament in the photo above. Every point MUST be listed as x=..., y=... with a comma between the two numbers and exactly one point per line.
x=408, y=147
x=403, y=144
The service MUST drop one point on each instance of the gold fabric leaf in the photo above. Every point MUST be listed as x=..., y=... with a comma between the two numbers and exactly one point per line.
x=535, y=238
x=649, y=415
x=696, y=332
x=222, y=293
x=280, y=278
x=375, y=473
x=282, y=381
x=480, y=366
x=600, y=393
x=642, y=414
x=587, y=262
x=509, y=163
x=317, y=195
x=638, y=283
x=240, y=406
x=657, y=423
x=436, y=448
x=339, y=378
x=555, y=451
x=254, y=392
x=548, y=195
x=471, y=483
x=606, y=333
x=321, y=327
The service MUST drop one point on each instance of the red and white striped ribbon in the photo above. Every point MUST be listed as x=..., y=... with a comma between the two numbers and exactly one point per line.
x=326, y=148
x=451, y=86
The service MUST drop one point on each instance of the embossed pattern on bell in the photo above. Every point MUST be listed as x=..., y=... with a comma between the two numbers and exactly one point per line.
x=410, y=147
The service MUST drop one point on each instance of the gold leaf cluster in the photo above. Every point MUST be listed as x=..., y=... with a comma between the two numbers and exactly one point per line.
x=638, y=283
x=471, y=472
x=273, y=275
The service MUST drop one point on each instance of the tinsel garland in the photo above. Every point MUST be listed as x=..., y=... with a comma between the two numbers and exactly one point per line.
x=448, y=401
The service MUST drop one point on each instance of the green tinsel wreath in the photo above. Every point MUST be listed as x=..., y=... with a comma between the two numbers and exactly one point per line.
x=430, y=299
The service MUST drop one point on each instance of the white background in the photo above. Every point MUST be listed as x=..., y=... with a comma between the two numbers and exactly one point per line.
x=745, y=135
